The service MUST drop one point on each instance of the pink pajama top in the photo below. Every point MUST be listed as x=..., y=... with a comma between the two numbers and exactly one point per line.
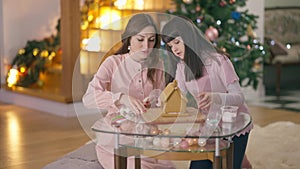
x=218, y=77
x=120, y=74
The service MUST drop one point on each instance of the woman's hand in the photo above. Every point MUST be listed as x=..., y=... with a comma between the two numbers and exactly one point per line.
x=153, y=98
x=205, y=99
x=127, y=126
x=133, y=104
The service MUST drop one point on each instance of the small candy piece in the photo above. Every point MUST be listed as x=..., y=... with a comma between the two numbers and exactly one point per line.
x=116, y=121
x=166, y=131
x=154, y=130
x=192, y=141
x=156, y=141
x=201, y=142
x=165, y=142
x=184, y=144
x=176, y=142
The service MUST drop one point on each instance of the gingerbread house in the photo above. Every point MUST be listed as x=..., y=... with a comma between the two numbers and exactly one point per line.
x=173, y=101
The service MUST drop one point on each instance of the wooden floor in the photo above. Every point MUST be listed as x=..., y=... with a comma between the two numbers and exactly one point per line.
x=30, y=139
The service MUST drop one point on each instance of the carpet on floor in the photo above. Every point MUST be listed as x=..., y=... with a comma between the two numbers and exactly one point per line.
x=275, y=146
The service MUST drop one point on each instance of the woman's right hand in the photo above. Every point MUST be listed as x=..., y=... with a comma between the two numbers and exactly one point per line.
x=133, y=104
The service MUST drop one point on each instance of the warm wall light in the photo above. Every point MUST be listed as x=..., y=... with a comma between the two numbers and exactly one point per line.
x=109, y=19
x=130, y=4
x=103, y=26
x=142, y=4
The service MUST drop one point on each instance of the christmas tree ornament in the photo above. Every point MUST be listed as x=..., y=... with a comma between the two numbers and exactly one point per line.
x=257, y=65
x=212, y=33
x=223, y=49
x=183, y=9
x=223, y=3
x=248, y=47
x=231, y=1
x=250, y=31
x=199, y=19
x=235, y=15
x=244, y=38
x=198, y=8
x=188, y=1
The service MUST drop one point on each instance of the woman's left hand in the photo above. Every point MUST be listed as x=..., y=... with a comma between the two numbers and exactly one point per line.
x=205, y=99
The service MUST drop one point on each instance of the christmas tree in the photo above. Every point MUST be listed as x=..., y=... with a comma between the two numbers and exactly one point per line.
x=231, y=30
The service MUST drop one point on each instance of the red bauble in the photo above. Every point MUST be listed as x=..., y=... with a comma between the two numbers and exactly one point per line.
x=223, y=3
x=212, y=33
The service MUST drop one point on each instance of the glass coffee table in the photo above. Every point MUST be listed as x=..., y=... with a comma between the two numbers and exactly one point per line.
x=177, y=138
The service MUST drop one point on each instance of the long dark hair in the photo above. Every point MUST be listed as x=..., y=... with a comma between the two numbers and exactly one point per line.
x=197, y=47
x=135, y=25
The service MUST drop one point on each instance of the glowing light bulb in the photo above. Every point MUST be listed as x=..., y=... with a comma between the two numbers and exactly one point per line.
x=21, y=51
x=84, y=25
x=35, y=51
x=22, y=69
x=44, y=53
x=13, y=76
x=109, y=19
x=52, y=55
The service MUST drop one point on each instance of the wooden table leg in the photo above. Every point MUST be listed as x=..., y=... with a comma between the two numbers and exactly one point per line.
x=278, y=78
x=229, y=156
x=119, y=159
x=217, y=164
x=137, y=162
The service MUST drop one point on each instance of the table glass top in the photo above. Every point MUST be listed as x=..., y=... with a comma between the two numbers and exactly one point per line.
x=179, y=127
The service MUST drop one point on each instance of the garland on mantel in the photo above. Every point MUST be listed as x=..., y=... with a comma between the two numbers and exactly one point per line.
x=31, y=60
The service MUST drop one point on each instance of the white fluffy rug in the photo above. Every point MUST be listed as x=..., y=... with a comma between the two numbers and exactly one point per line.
x=275, y=146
